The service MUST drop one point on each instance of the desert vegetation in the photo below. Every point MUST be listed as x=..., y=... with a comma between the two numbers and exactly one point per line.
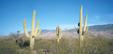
x=92, y=45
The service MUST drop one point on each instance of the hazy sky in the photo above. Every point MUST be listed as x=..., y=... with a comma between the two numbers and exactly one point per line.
x=52, y=13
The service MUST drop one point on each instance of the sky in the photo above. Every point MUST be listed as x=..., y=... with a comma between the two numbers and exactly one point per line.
x=51, y=13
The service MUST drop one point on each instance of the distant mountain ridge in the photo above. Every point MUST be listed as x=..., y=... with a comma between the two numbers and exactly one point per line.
x=101, y=30
x=101, y=27
x=107, y=27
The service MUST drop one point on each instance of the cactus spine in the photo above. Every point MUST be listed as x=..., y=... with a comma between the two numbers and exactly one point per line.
x=35, y=31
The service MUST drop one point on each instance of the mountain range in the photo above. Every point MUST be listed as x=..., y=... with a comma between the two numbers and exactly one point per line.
x=95, y=30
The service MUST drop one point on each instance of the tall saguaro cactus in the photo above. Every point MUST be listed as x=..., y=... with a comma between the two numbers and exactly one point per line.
x=35, y=31
x=59, y=36
x=82, y=29
x=58, y=33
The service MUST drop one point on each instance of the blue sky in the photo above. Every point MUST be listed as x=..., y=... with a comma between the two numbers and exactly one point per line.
x=51, y=13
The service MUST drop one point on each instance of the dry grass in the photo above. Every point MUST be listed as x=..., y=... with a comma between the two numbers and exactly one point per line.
x=95, y=45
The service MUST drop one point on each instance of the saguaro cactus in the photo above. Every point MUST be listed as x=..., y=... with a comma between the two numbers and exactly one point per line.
x=58, y=34
x=35, y=31
x=81, y=29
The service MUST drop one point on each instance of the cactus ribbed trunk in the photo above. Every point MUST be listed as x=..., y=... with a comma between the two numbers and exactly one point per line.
x=32, y=43
x=80, y=32
x=85, y=24
x=32, y=38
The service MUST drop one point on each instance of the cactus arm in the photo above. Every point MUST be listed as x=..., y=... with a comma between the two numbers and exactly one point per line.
x=33, y=24
x=85, y=24
x=38, y=33
x=38, y=30
x=37, y=27
x=25, y=29
x=86, y=29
